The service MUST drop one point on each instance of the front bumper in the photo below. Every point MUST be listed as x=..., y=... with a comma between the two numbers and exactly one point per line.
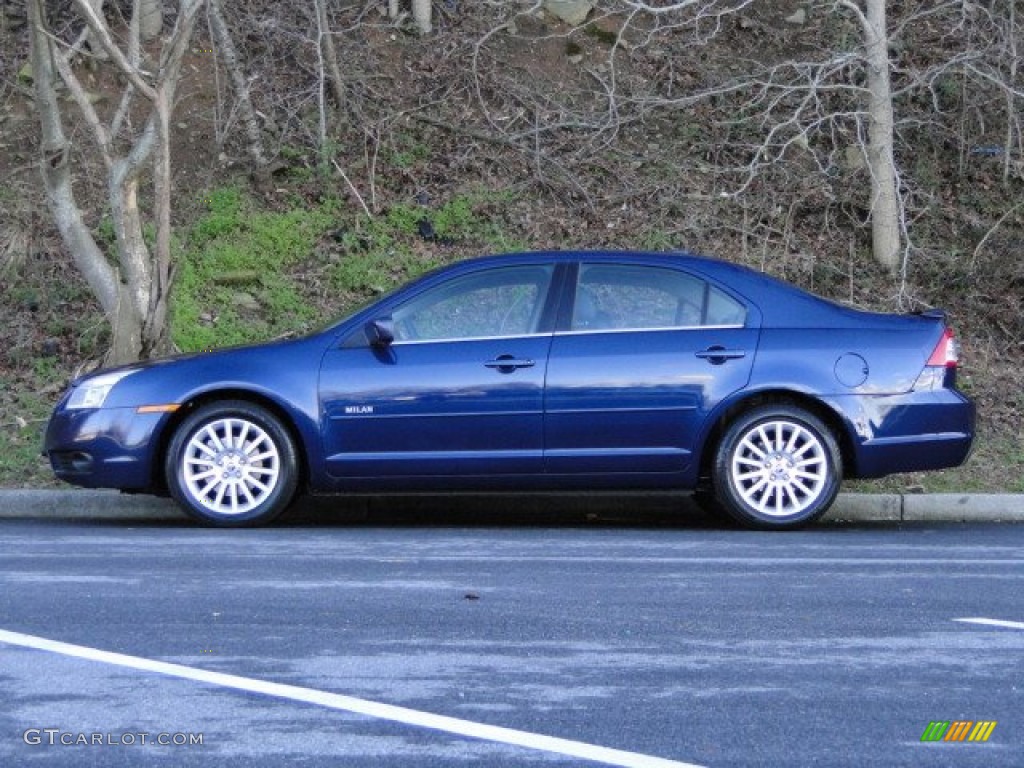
x=104, y=447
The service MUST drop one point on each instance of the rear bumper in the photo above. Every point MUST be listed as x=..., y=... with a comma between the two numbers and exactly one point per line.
x=913, y=432
x=103, y=447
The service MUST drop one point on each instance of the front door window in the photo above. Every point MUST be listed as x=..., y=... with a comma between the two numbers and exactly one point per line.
x=495, y=303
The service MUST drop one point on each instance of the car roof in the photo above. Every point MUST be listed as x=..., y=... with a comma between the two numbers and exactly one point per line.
x=708, y=266
x=731, y=275
x=556, y=256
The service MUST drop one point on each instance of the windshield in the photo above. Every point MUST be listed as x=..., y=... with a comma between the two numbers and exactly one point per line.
x=370, y=301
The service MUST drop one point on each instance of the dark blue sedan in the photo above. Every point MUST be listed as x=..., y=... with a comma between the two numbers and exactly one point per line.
x=538, y=371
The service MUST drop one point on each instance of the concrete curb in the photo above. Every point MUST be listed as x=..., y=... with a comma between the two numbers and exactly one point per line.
x=53, y=504
x=928, y=507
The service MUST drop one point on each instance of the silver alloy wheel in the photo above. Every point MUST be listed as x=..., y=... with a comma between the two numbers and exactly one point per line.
x=780, y=468
x=230, y=466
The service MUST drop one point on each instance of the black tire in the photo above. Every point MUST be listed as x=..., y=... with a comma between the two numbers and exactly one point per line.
x=232, y=463
x=777, y=467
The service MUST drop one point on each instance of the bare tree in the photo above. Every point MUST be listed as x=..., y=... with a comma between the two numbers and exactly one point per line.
x=112, y=294
x=821, y=112
x=1013, y=126
x=886, y=214
x=134, y=294
x=808, y=111
x=823, y=127
x=228, y=53
x=328, y=54
x=988, y=67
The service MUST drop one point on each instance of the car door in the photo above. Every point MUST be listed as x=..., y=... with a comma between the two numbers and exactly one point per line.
x=457, y=391
x=644, y=356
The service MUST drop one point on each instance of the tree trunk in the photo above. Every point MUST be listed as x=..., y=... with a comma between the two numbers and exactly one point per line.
x=1012, y=115
x=150, y=14
x=885, y=203
x=330, y=54
x=229, y=55
x=112, y=294
x=133, y=296
x=155, y=337
x=421, y=12
x=133, y=253
x=94, y=46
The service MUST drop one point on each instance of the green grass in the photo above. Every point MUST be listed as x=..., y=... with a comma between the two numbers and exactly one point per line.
x=407, y=152
x=234, y=285
x=20, y=462
x=240, y=276
x=382, y=252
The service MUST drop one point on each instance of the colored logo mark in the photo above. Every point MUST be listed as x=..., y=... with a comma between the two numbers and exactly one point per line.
x=958, y=730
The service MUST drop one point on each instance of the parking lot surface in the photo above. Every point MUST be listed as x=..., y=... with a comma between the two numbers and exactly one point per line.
x=507, y=643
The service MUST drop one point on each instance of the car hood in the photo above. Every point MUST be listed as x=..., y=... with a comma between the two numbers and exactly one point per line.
x=263, y=368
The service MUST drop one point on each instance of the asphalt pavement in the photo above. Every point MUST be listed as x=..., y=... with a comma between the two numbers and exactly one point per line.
x=161, y=643
x=79, y=504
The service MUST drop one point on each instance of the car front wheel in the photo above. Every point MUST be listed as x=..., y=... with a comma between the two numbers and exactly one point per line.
x=232, y=463
x=777, y=467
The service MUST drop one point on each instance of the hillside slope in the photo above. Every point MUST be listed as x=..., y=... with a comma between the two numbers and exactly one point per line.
x=507, y=130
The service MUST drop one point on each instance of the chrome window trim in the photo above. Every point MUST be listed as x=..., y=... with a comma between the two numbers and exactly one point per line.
x=652, y=330
x=403, y=342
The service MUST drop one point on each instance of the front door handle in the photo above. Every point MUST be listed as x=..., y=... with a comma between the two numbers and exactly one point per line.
x=717, y=354
x=508, y=363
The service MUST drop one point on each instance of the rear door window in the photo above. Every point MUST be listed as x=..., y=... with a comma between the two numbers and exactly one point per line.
x=639, y=297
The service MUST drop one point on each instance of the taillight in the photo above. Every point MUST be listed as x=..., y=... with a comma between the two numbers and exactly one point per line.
x=940, y=370
x=946, y=353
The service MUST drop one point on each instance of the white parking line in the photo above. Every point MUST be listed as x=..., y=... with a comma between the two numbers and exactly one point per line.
x=349, y=704
x=994, y=623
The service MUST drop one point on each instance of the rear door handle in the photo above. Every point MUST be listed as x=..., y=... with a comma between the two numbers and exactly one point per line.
x=717, y=355
x=508, y=363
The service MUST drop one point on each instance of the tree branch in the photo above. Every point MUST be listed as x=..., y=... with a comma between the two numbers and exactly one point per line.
x=99, y=29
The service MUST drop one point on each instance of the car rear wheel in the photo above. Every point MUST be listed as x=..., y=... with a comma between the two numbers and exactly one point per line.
x=232, y=463
x=777, y=467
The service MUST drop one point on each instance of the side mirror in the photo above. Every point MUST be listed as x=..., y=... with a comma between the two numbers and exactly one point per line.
x=380, y=332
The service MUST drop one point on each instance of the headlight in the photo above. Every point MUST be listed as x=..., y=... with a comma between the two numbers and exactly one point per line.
x=91, y=393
